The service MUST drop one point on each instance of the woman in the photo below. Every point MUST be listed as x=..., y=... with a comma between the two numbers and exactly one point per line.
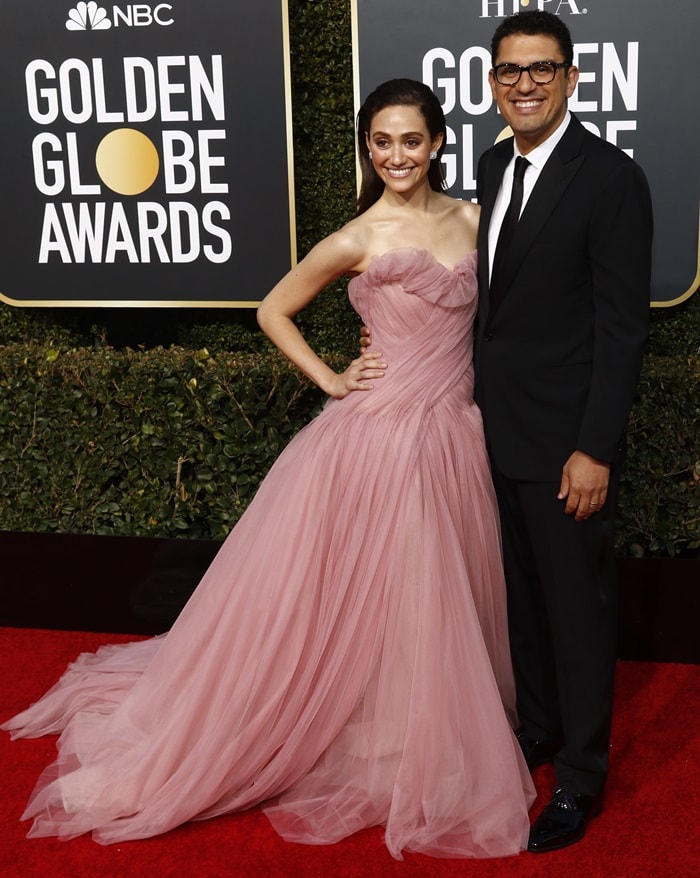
x=344, y=660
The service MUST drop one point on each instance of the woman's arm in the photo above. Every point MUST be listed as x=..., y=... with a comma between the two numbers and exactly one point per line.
x=334, y=256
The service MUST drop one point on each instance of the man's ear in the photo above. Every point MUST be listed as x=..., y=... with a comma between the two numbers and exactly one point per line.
x=571, y=80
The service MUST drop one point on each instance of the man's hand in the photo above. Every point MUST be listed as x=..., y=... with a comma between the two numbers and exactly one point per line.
x=584, y=485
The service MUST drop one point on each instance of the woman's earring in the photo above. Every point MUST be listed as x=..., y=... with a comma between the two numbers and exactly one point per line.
x=369, y=153
x=433, y=156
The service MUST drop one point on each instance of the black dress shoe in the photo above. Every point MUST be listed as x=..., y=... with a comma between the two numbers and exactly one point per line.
x=537, y=752
x=563, y=821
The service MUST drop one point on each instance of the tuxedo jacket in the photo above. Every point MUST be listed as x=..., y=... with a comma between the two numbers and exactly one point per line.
x=558, y=353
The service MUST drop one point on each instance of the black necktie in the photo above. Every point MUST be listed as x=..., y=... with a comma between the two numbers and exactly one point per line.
x=510, y=220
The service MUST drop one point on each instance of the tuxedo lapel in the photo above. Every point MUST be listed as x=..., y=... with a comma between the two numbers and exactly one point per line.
x=494, y=174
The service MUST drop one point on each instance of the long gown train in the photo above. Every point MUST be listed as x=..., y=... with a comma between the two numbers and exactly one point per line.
x=344, y=661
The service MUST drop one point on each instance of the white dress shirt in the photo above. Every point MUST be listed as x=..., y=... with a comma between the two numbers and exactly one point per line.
x=537, y=159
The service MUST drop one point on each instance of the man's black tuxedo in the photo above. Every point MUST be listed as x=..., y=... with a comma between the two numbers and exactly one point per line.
x=558, y=352
x=557, y=359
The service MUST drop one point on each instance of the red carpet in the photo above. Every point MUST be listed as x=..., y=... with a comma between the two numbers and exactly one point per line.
x=649, y=826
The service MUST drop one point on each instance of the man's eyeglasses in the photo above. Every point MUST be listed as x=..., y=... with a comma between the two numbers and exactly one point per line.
x=540, y=72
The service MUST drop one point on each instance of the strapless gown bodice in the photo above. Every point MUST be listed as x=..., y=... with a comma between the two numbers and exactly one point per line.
x=421, y=314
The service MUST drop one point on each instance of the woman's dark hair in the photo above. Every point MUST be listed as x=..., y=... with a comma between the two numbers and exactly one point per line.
x=532, y=24
x=397, y=93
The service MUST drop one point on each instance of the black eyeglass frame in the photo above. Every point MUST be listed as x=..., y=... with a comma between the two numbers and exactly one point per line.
x=521, y=69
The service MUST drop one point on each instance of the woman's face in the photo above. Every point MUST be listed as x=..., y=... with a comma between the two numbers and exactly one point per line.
x=400, y=143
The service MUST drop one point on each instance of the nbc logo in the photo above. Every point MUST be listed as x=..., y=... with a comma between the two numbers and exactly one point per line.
x=88, y=16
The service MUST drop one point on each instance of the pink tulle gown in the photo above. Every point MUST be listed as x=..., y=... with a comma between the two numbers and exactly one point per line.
x=345, y=658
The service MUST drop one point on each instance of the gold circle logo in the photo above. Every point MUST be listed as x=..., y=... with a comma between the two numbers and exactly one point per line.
x=127, y=161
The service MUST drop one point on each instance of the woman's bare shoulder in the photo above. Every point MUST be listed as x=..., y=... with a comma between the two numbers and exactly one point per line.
x=467, y=215
x=361, y=238
x=460, y=220
x=468, y=210
x=346, y=247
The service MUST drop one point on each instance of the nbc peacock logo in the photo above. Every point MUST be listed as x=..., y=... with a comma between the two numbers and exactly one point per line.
x=88, y=16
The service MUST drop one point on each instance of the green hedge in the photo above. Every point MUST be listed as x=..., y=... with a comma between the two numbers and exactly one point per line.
x=659, y=508
x=174, y=442
x=157, y=443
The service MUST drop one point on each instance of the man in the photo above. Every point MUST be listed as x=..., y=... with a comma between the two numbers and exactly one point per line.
x=563, y=318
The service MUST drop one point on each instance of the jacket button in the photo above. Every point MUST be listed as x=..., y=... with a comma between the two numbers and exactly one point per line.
x=489, y=335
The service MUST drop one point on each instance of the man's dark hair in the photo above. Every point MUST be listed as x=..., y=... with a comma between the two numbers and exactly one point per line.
x=535, y=23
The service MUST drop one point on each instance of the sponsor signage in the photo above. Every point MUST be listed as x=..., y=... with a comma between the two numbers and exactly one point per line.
x=636, y=89
x=146, y=156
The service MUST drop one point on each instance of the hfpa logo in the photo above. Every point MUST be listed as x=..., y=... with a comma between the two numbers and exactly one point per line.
x=501, y=8
x=90, y=16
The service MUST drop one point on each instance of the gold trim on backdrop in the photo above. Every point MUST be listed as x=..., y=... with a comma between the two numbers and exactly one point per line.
x=124, y=303
x=354, y=26
x=693, y=288
x=290, y=134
